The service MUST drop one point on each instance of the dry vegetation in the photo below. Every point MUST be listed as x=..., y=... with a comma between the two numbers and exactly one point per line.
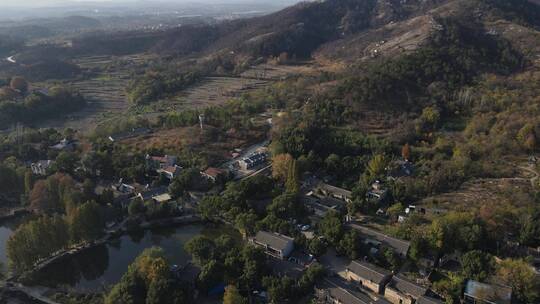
x=192, y=138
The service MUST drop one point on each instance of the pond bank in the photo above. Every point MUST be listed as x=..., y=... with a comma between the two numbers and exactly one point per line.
x=109, y=236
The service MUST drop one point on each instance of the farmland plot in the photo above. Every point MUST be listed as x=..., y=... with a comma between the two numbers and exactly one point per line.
x=211, y=91
x=104, y=92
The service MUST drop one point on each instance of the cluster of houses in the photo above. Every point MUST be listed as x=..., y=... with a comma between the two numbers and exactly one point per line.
x=164, y=165
x=42, y=167
x=362, y=282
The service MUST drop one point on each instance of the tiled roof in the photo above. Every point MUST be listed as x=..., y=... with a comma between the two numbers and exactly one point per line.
x=344, y=294
x=274, y=240
x=214, y=172
x=428, y=300
x=369, y=271
x=335, y=190
x=489, y=293
x=398, y=245
x=403, y=285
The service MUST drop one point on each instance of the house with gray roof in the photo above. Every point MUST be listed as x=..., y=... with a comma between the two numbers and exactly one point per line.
x=335, y=291
x=368, y=275
x=335, y=192
x=483, y=293
x=400, y=290
x=274, y=244
x=252, y=161
x=428, y=300
x=377, y=239
x=41, y=167
x=150, y=194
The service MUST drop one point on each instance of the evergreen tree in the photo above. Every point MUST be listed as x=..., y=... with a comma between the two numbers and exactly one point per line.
x=292, y=185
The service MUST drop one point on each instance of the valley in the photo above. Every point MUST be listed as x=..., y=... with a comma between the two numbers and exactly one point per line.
x=338, y=151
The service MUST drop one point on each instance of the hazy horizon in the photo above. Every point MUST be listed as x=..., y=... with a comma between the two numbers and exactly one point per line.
x=48, y=3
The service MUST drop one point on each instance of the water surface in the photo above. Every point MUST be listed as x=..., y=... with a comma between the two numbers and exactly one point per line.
x=101, y=266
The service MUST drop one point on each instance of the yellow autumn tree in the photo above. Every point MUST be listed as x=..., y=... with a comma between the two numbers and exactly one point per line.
x=280, y=166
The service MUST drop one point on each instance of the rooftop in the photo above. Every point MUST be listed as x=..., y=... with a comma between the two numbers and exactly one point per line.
x=428, y=300
x=335, y=190
x=213, y=172
x=346, y=293
x=402, y=284
x=274, y=240
x=343, y=293
x=369, y=271
x=146, y=195
x=489, y=293
x=400, y=246
x=165, y=197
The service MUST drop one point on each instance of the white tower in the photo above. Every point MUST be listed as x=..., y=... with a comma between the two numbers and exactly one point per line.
x=201, y=120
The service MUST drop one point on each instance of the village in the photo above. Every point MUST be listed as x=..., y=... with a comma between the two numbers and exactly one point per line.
x=346, y=281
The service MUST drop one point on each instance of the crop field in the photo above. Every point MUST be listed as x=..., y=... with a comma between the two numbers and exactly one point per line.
x=104, y=91
x=513, y=191
x=211, y=91
x=106, y=95
x=277, y=72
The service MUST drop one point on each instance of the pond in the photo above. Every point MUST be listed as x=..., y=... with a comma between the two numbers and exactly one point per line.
x=101, y=266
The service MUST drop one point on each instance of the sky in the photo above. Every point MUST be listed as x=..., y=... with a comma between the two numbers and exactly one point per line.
x=41, y=3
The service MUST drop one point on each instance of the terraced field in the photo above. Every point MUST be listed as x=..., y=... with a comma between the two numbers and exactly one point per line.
x=277, y=72
x=106, y=95
x=104, y=92
x=211, y=91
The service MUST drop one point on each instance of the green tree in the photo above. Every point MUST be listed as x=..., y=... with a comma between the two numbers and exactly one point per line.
x=87, y=222
x=147, y=281
x=201, y=249
x=279, y=289
x=310, y=277
x=395, y=210
x=292, y=185
x=375, y=169
x=136, y=207
x=245, y=223
x=36, y=239
x=28, y=182
x=331, y=227
x=211, y=274
x=89, y=189
x=350, y=244
x=185, y=181
x=210, y=206
x=67, y=162
x=477, y=265
x=520, y=276
x=233, y=296
x=317, y=247
x=450, y=288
